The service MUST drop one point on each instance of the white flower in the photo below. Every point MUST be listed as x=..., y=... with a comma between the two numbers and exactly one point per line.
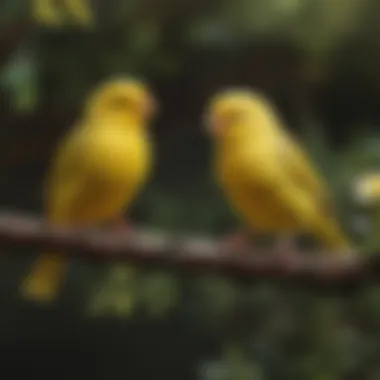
x=366, y=188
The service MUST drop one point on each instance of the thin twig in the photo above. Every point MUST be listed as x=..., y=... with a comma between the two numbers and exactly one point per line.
x=163, y=250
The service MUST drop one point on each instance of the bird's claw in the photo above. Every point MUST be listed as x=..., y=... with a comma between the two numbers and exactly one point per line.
x=237, y=242
x=285, y=253
x=123, y=227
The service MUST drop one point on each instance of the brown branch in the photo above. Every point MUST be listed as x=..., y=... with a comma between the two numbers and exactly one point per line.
x=194, y=254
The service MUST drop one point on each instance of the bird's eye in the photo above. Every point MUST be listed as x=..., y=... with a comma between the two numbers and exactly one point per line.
x=120, y=102
x=233, y=116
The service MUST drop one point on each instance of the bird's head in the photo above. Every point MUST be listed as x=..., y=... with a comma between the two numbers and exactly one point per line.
x=123, y=96
x=233, y=107
x=227, y=108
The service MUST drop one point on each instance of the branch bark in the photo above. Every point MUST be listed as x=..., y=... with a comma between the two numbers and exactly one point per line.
x=158, y=249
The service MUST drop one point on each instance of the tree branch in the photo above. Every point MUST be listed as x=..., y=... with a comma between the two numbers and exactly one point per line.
x=183, y=253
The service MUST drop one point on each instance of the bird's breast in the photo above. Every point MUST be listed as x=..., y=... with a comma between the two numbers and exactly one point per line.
x=233, y=168
x=120, y=158
x=242, y=178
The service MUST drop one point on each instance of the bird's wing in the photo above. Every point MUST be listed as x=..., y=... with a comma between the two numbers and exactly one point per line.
x=275, y=184
x=65, y=178
x=303, y=173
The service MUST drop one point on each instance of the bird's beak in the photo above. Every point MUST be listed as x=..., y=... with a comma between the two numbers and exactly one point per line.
x=213, y=124
x=150, y=108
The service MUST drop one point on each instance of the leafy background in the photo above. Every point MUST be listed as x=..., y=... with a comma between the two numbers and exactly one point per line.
x=318, y=61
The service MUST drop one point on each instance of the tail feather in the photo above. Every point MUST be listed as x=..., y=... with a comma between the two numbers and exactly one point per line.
x=43, y=281
x=334, y=238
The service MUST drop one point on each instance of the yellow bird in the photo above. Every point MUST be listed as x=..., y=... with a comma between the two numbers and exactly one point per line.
x=96, y=172
x=267, y=177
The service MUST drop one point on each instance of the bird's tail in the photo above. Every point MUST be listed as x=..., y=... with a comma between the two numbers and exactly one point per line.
x=43, y=281
x=333, y=238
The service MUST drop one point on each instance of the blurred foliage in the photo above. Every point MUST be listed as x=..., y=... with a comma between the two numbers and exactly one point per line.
x=318, y=61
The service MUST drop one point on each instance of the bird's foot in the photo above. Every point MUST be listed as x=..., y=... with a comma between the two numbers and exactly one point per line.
x=285, y=245
x=285, y=251
x=237, y=242
x=122, y=226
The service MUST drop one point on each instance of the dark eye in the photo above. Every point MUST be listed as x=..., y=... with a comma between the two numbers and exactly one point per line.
x=233, y=116
x=120, y=102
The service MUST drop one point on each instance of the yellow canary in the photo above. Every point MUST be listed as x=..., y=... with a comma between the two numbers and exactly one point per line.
x=267, y=177
x=97, y=171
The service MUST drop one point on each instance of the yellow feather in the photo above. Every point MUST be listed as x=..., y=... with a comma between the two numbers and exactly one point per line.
x=268, y=179
x=96, y=173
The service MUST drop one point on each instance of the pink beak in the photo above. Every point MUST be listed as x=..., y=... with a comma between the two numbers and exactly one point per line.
x=150, y=107
x=213, y=124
